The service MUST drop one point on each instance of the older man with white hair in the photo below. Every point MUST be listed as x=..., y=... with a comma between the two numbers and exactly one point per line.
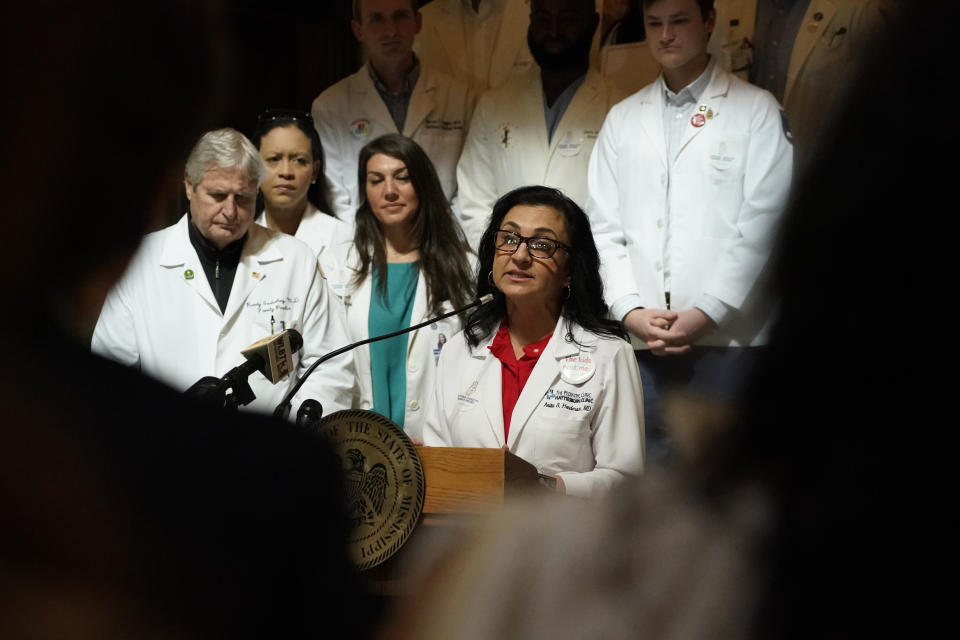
x=213, y=283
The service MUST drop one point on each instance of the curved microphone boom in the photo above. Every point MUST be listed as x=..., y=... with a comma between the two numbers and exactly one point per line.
x=283, y=409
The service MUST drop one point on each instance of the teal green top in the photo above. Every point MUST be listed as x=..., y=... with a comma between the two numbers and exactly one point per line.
x=388, y=358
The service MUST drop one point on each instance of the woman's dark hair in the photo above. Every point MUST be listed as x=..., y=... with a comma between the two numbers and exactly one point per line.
x=585, y=306
x=442, y=245
x=317, y=194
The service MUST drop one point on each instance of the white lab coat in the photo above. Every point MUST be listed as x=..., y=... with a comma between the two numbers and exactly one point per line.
x=423, y=345
x=507, y=145
x=351, y=113
x=590, y=433
x=163, y=318
x=326, y=235
x=441, y=43
x=730, y=181
x=825, y=57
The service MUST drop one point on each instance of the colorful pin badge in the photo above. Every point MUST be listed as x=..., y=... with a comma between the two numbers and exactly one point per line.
x=360, y=128
x=188, y=274
x=698, y=120
x=577, y=369
x=255, y=275
x=709, y=114
x=702, y=108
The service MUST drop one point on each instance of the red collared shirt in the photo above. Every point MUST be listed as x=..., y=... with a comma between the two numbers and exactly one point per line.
x=514, y=373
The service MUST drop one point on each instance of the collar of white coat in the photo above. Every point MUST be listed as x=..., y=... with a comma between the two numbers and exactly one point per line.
x=177, y=250
x=719, y=86
x=318, y=230
x=566, y=341
x=361, y=82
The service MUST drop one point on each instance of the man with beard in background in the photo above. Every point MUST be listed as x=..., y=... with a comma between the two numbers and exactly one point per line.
x=540, y=127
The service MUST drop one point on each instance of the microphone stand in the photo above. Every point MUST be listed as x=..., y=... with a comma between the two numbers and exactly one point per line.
x=283, y=409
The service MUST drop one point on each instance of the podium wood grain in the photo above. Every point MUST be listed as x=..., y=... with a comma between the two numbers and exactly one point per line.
x=464, y=480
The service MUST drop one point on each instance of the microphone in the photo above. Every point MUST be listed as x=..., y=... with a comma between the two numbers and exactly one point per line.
x=309, y=414
x=272, y=356
x=283, y=409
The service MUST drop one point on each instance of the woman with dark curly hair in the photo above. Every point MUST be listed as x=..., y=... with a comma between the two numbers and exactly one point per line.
x=409, y=261
x=542, y=370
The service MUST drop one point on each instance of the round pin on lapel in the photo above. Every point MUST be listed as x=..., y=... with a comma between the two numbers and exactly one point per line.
x=698, y=120
x=188, y=274
x=577, y=369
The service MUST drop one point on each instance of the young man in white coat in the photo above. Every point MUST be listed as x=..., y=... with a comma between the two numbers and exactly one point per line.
x=687, y=183
x=392, y=93
x=540, y=127
x=203, y=289
x=805, y=52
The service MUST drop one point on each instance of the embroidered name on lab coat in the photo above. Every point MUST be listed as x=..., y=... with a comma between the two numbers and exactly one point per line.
x=722, y=157
x=466, y=400
x=277, y=304
x=570, y=144
x=568, y=400
x=443, y=125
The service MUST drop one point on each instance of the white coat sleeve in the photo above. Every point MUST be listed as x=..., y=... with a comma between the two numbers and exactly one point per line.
x=604, y=211
x=476, y=184
x=324, y=330
x=337, y=163
x=617, y=441
x=766, y=185
x=115, y=336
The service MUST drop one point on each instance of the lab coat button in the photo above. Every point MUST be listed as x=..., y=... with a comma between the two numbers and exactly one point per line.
x=414, y=405
x=413, y=367
x=660, y=223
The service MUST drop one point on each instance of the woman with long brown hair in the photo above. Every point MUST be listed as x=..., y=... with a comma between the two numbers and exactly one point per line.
x=408, y=262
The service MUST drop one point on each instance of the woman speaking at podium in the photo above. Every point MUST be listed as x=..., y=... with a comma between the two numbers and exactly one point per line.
x=408, y=262
x=542, y=370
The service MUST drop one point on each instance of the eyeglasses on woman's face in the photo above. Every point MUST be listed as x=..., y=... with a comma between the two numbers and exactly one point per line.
x=543, y=248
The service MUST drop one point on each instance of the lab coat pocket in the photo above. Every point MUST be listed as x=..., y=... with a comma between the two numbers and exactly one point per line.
x=725, y=159
x=338, y=283
x=562, y=443
x=260, y=329
x=724, y=169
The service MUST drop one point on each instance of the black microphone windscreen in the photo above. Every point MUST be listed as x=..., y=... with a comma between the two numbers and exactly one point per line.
x=296, y=340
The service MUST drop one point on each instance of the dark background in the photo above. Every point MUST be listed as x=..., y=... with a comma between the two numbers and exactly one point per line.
x=287, y=53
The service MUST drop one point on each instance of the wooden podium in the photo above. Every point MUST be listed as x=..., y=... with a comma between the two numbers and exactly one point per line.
x=471, y=481
x=461, y=484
